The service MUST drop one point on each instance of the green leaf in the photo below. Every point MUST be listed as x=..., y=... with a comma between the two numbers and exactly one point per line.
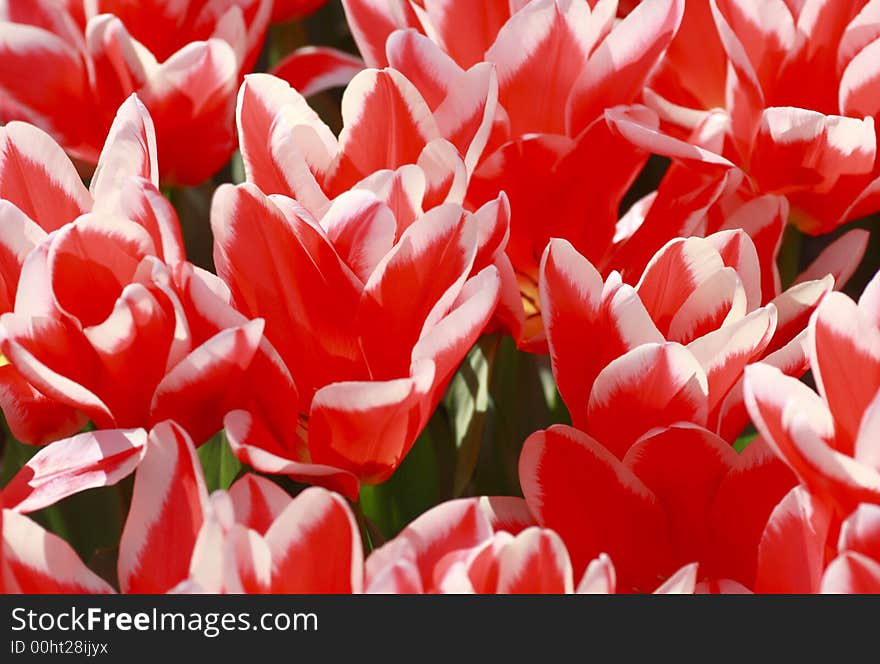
x=219, y=464
x=236, y=167
x=421, y=481
x=743, y=441
x=15, y=455
x=522, y=399
x=89, y=521
x=467, y=402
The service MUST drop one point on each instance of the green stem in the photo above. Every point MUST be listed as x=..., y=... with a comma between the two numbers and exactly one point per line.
x=790, y=256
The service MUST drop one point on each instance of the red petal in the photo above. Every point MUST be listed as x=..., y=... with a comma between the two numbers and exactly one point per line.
x=651, y=386
x=35, y=561
x=167, y=510
x=683, y=466
x=311, y=70
x=535, y=562
x=316, y=546
x=257, y=502
x=614, y=512
x=38, y=177
x=791, y=555
x=86, y=461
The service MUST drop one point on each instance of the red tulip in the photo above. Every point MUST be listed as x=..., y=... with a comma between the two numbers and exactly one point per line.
x=489, y=546
x=387, y=281
x=815, y=143
x=184, y=60
x=672, y=348
x=549, y=126
x=372, y=318
x=829, y=441
x=253, y=538
x=680, y=494
x=463, y=546
x=107, y=295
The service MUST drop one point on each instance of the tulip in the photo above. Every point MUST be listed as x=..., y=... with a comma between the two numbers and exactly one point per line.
x=828, y=439
x=371, y=313
x=674, y=346
x=680, y=494
x=388, y=282
x=177, y=538
x=184, y=60
x=816, y=144
x=549, y=126
x=104, y=319
x=253, y=538
x=489, y=545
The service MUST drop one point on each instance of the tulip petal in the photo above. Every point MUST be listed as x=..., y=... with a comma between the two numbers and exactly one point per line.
x=257, y=502
x=167, y=511
x=845, y=358
x=599, y=578
x=130, y=150
x=535, y=562
x=792, y=549
x=408, y=123
x=34, y=561
x=368, y=427
x=852, y=573
x=614, y=512
x=618, y=69
x=285, y=146
x=743, y=502
x=316, y=546
x=362, y=230
x=86, y=461
x=257, y=447
x=311, y=70
x=839, y=259
x=653, y=385
x=562, y=33
x=38, y=178
x=725, y=352
x=200, y=383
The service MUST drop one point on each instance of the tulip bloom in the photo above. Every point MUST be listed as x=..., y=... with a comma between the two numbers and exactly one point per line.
x=489, y=546
x=388, y=282
x=679, y=495
x=254, y=538
x=184, y=60
x=672, y=348
x=815, y=143
x=550, y=124
x=97, y=292
x=829, y=440
x=370, y=312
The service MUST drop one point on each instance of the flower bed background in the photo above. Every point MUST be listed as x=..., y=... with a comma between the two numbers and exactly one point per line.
x=515, y=296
